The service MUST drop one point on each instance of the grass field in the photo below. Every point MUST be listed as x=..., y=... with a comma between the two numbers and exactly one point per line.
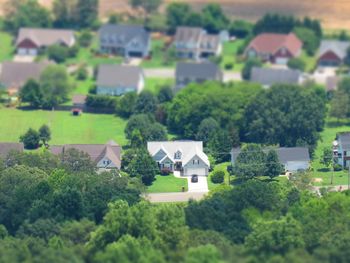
x=167, y=184
x=158, y=56
x=6, y=47
x=327, y=137
x=229, y=55
x=88, y=128
x=310, y=62
x=153, y=84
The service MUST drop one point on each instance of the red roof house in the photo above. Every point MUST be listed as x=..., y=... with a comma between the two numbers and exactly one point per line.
x=276, y=48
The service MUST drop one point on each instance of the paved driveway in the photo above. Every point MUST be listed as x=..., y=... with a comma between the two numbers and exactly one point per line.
x=321, y=74
x=173, y=197
x=200, y=187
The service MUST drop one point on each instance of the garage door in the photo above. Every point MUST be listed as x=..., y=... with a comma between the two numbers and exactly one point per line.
x=22, y=51
x=197, y=171
x=32, y=52
x=281, y=61
x=136, y=54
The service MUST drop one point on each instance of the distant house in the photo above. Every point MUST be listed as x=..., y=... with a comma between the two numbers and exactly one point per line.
x=188, y=72
x=195, y=43
x=341, y=149
x=293, y=159
x=270, y=76
x=31, y=41
x=106, y=156
x=7, y=147
x=13, y=75
x=274, y=48
x=117, y=80
x=332, y=53
x=125, y=40
x=186, y=157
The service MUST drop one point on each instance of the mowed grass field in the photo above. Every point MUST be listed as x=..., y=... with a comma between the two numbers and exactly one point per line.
x=167, y=184
x=65, y=128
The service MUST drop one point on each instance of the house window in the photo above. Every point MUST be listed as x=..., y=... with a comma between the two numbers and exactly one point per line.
x=195, y=161
x=177, y=155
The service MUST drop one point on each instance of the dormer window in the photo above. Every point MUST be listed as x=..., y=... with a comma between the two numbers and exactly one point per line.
x=178, y=155
x=195, y=161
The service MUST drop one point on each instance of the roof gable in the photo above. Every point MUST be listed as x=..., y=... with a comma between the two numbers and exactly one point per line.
x=45, y=36
x=337, y=47
x=119, y=75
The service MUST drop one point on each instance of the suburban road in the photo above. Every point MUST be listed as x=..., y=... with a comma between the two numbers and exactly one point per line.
x=170, y=73
x=174, y=197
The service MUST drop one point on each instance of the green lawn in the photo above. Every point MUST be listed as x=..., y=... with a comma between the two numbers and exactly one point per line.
x=229, y=55
x=83, y=87
x=6, y=47
x=153, y=84
x=158, y=56
x=167, y=184
x=88, y=128
x=219, y=167
x=310, y=62
x=327, y=137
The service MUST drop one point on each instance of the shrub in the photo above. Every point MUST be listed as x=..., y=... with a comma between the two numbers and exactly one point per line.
x=229, y=66
x=30, y=139
x=101, y=101
x=218, y=177
x=296, y=63
x=82, y=73
x=57, y=53
x=338, y=167
x=85, y=39
x=73, y=51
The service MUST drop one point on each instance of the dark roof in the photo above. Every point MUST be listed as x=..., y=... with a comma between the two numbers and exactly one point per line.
x=284, y=154
x=188, y=34
x=125, y=33
x=337, y=47
x=204, y=70
x=269, y=76
x=45, y=36
x=6, y=147
x=118, y=75
x=95, y=151
x=16, y=74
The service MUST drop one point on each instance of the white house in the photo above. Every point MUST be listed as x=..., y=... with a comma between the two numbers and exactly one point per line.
x=187, y=157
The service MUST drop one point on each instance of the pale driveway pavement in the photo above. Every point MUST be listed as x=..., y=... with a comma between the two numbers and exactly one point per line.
x=200, y=187
x=322, y=73
x=174, y=197
x=169, y=73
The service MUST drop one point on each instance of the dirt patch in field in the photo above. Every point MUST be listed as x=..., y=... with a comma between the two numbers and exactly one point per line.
x=333, y=14
x=318, y=180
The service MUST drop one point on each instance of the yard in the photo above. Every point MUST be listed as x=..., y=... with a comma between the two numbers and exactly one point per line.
x=159, y=54
x=219, y=167
x=229, y=55
x=167, y=184
x=6, y=47
x=319, y=170
x=154, y=84
x=88, y=128
x=310, y=62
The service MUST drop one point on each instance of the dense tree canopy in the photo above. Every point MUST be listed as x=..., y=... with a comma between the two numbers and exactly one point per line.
x=197, y=102
x=285, y=115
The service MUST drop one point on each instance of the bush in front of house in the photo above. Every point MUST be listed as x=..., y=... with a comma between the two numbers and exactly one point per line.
x=82, y=73
x=338, y=167
x=229, y=66
x=218, y=177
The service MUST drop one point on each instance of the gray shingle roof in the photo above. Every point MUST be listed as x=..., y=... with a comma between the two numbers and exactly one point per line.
x=118, y=75
x=46, y=37
x=344, y=139
x=336, y=46
x=125, y=33
x=95, y=151
x=6, y=147
x=16, y=74
x=204, y=70
x=188, y=34
x=284, y=154
x=269, y=76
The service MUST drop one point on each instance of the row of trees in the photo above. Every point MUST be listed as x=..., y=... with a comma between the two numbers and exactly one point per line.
x=32, y=138
x=66, y=14
x=56, y=208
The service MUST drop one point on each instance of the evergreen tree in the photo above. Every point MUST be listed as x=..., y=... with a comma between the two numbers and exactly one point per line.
x=30, y=139
x=273, y=166
x=45, y=134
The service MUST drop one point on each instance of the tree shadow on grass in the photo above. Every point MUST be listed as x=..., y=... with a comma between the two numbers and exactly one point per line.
x=323, y=170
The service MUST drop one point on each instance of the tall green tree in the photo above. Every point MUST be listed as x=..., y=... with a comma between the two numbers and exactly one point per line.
x=177, y=14
x=250, y=162
x=327, y=157
x=273, y=166
x=87, y=13
x=31, y=92
x=214, y=19
x=55, y=85
x=31, y=139
x=146, y=103
x=143, y=167
x=45, y=134
x=340, y=105
x=149, y=6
